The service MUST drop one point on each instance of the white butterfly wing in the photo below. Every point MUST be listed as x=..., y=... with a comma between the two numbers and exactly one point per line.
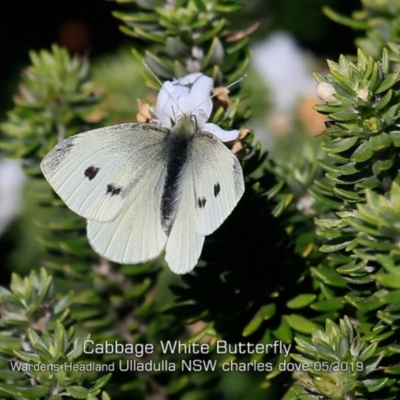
x=184, y=245
x=136, y=235
x=95, y=172
x=218, y=181
x=210, y=186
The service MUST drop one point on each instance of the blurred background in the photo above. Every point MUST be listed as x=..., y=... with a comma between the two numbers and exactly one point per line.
x=294, y=39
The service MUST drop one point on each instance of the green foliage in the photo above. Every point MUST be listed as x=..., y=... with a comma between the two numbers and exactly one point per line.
x=39, y=348
x=333, y=256
x=54, y=97
x=187, y=36
x=339, y=364
x=53, y=102
x=361, y=195
x=361, y=100
x=380, y=21
x=111, y=303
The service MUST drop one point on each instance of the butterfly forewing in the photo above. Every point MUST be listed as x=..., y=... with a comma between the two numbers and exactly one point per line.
x=136, y=235
x=96, y=172
x=210, y=185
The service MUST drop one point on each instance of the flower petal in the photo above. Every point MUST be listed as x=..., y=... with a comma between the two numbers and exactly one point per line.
x=188, y=95
x=224, y=136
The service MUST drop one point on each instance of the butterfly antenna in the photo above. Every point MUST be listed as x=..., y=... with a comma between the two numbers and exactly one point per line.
x=163, y=88
x=216, y=94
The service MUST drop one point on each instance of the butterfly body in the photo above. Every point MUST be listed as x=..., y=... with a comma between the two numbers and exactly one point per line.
x=180, y=137
x=144, y=188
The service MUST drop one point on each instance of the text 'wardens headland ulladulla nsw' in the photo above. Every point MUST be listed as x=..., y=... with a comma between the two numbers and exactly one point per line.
x=141, y=359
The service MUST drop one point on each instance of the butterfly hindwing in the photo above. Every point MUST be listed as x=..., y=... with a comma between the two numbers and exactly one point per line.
x=136, y=235
x=218, y=181
x=96, y=172
x=184, y=245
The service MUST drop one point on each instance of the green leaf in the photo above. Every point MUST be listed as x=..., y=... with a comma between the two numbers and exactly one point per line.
x=34, y=338
x=365, y=304
x=384, y=101
x=392, y=297
x=373, y=385
x=380, y=142
x=271, y=193
x=139, y=289
x=283, y=332
x=393, y=369
x=209, y=34
x=77, y=350
x=135, y=17
x=388, y=280
x=382, y=165
x=267, y=311
x=301, y=324
x=331, y=223
x=101, y=382
x=334, y=204
x=326, y=108
x=343, y=116
x=395, y=137
x=340, y=19
x=144, y=34
x=253, y=325
x=200, y=5
x=228, y=8
x=346, y=169
x=329, y=276
x=328, y=305
x=176, y=48
x=238, y=46
x=337, y=244
x=388, y=82
x=264, y=313
x=362, y=153
x=369, y=183
x=30, y=392
x=77, y=392
x=60, y=339
x=339, y=145
x=348, y=195
x=302, y=300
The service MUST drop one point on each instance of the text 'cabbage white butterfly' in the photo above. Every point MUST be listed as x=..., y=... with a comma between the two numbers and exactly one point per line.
x=144, y=187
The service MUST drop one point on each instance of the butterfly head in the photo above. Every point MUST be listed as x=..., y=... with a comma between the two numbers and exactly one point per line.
x=185, y=126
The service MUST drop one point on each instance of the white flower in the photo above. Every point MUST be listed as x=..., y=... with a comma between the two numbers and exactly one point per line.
x=190, y=95
x=326, y=92
x=285, y=68
x=12, y=181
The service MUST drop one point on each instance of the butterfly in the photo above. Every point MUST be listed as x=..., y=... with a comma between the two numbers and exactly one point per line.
x=146, y=187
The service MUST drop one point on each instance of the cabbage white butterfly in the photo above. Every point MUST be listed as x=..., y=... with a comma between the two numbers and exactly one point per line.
x=145, y=187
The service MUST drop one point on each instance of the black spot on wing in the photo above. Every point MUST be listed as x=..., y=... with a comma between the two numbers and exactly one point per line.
x=217, y=189
x=91, y=172
x=201, y=202
x=113, y=190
